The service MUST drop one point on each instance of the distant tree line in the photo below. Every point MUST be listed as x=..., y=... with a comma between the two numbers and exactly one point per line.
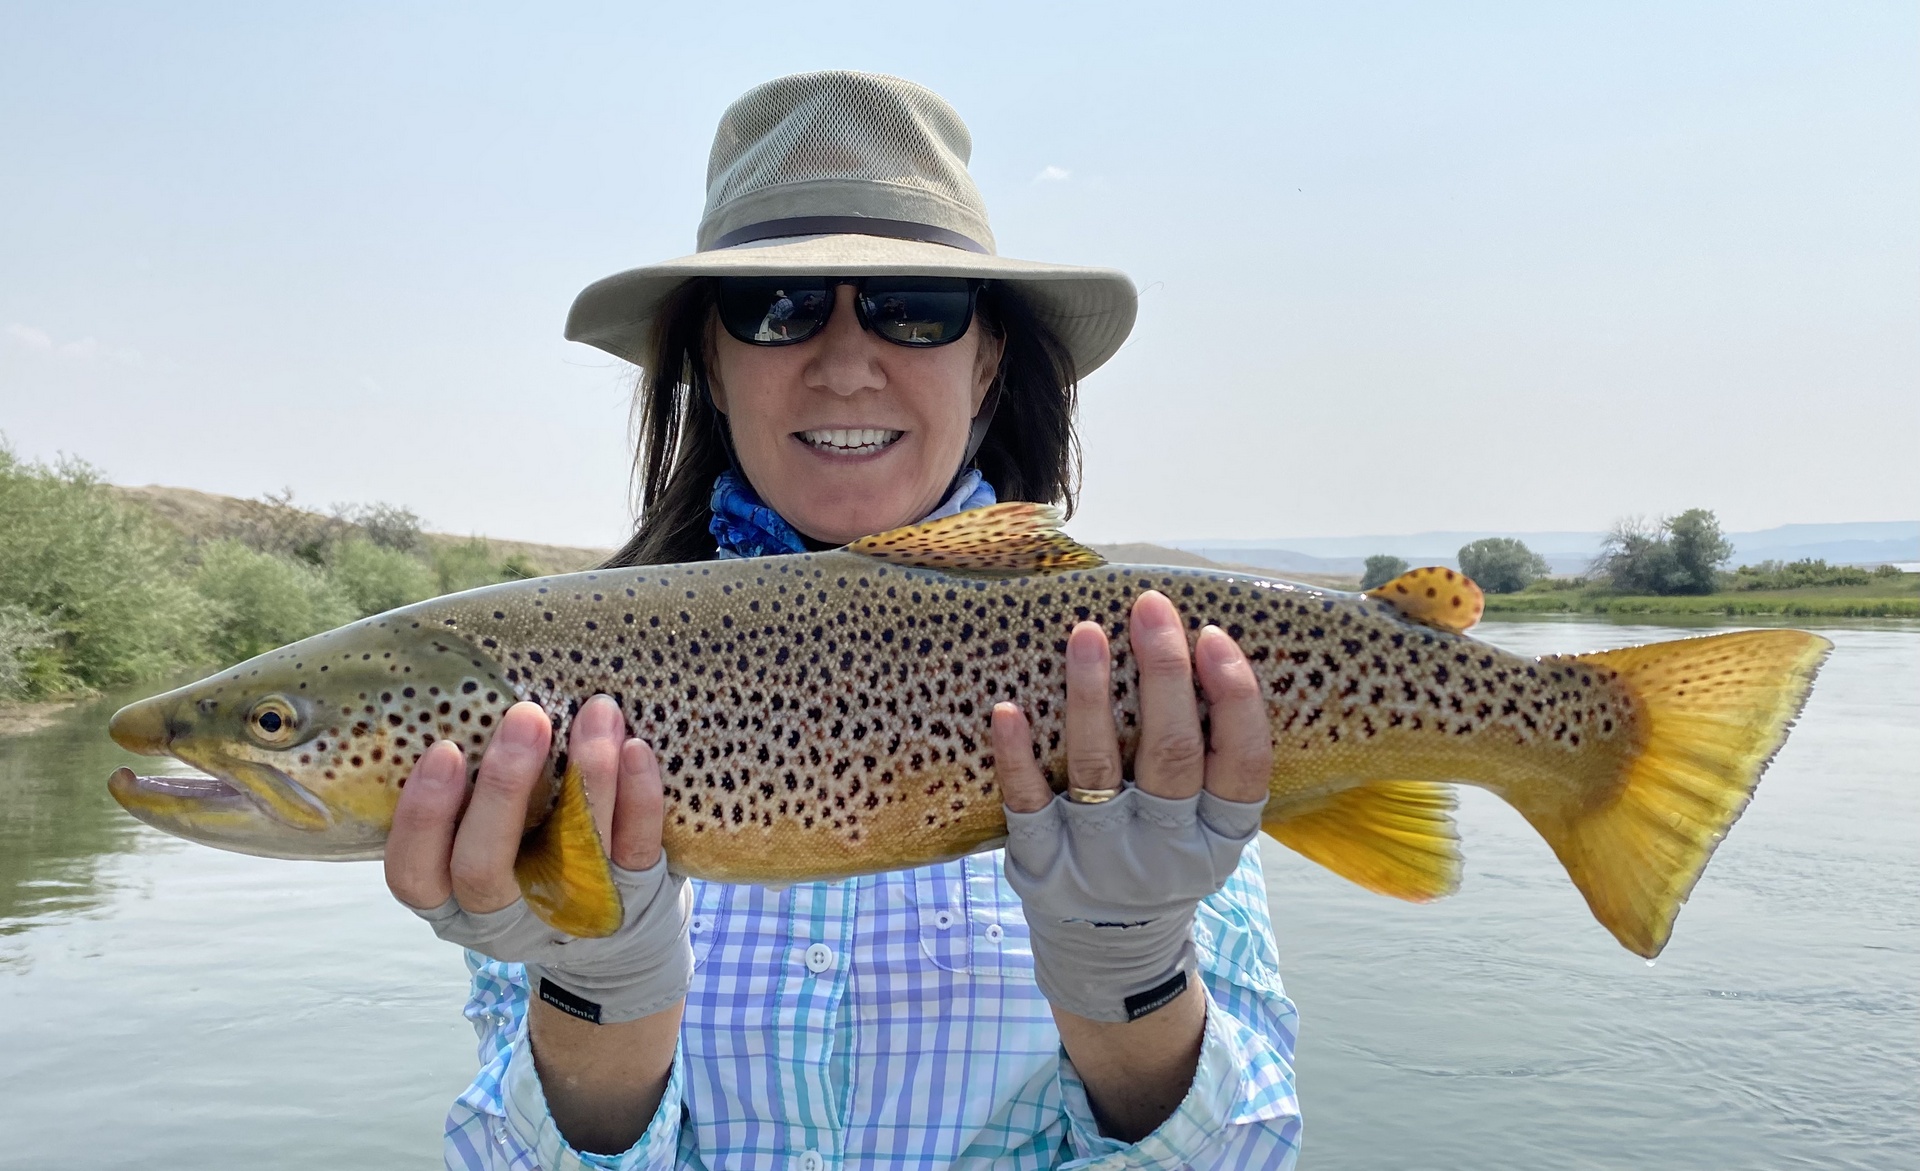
x=1676, y=555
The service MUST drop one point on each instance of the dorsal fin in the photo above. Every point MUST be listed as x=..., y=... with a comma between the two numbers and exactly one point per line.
x=1015, y=537
x=1437, y=596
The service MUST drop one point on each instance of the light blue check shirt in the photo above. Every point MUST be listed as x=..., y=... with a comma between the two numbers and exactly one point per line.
x=893, y=1021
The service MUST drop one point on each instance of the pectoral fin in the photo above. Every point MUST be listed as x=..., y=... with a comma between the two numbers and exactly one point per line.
x=1011, y=538
x=563, y=868
x=1436, y=596
x=1393, y=837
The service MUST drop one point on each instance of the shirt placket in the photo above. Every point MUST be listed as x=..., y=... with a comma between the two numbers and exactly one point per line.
x=815, y=969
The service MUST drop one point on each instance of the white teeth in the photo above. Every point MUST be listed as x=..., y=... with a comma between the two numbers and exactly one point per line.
x=852, y=439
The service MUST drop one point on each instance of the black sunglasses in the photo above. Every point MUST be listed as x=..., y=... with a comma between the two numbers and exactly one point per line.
x=914, y=311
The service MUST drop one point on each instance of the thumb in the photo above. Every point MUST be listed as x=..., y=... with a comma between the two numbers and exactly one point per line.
x=1023, y=787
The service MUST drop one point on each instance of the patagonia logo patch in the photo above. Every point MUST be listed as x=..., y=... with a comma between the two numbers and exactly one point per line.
x=1155, y=999
x=587, y=1010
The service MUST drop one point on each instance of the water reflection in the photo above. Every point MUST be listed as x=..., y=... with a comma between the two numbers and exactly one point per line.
x=56, y=820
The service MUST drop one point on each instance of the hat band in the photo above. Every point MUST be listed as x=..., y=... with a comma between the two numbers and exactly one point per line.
x=845, y=225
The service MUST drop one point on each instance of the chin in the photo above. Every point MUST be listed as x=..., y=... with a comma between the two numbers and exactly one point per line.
x=854, y=515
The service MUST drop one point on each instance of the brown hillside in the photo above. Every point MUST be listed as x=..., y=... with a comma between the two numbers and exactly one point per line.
x=204, y=516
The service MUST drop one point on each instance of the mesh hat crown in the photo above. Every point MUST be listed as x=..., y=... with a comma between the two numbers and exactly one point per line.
x=838, y=173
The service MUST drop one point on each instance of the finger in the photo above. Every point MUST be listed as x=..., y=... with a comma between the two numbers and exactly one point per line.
x=1239, y=735
x=1023, y=787
x=1172, y=758
x=640, y=811
x=420, y=844
x=489, y=836
x=1093, y=746
x=593, y=747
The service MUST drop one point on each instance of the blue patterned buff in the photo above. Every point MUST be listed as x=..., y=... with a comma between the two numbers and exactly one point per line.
x=743, y=526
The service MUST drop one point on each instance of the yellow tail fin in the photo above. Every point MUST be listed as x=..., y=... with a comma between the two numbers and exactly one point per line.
x=563, y=869
x=1713, y=711
x=1392, y=837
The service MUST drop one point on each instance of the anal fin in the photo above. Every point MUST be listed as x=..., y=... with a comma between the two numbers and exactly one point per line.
x=1011, y=538
x=1393, y=837
x=1436, y=596
x=563, y=869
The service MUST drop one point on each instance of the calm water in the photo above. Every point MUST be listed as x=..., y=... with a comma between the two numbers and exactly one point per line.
x=166, y=1005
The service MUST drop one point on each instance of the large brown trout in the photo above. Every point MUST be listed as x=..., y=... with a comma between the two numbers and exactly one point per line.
x=824, y=715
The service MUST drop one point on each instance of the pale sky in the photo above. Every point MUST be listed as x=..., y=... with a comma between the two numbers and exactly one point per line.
x=1403, y=266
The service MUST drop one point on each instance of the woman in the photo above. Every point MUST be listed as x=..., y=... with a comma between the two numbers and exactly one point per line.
x=1106, y=988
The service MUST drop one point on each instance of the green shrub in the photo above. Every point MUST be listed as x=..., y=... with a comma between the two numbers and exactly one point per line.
x=1501, y=565
x=1792, y=575
x=465, y=566
x=24, y=636
x=263, y=600
x=102, y=576
x=375, y=577
x=1381, y=569
x=386, y=525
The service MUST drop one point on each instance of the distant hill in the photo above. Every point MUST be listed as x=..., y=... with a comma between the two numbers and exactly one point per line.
x=1861, y=543
x=201, y=516
x=1140, y=553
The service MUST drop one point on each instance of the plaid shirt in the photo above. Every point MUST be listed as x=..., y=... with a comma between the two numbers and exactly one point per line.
x=893, y=1020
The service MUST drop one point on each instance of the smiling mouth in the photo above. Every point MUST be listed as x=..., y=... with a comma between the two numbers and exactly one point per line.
x=850, y=440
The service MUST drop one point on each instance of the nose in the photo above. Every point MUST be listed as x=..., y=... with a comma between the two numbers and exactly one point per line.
x=846, y=361
x=141, y=727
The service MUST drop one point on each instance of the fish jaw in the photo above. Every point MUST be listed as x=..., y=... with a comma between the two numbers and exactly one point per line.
x=211, y=812
x=352, y=710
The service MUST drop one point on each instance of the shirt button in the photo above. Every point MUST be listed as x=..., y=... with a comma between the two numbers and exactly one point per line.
x=811, y=1161
x=943, y=919
x=819, y=959
x=700, y=923
x=995, y=931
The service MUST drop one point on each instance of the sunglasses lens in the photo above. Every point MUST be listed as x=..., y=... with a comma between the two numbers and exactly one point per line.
x=773, y=312
x=918, y=311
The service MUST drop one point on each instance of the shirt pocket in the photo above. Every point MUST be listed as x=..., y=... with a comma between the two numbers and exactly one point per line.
x=940, y=907
x=711, y=903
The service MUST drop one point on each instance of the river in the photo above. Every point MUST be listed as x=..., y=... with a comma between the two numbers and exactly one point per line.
x=166, y=1005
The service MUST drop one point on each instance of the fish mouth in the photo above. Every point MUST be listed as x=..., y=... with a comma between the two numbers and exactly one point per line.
x=850, y=440
x=216, y=812
x=203, y=792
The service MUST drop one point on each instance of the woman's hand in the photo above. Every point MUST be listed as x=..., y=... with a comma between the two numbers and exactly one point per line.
x=1110, y=889
x=606, y=1012
x=444, y=845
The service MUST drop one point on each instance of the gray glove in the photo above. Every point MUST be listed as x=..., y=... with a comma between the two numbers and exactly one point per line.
x=638, y=970
x=1110, y=890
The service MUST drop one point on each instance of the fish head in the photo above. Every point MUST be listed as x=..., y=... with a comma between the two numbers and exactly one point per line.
x=306, y=748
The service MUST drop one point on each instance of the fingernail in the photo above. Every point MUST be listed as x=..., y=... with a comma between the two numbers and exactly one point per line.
x=1083, y=646
x=522, y=730
x=1214, y=644
x=599, y=713
x=443, y=766
x=1156, y=615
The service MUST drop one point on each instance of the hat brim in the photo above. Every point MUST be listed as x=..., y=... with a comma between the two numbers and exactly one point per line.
x=1091, y=310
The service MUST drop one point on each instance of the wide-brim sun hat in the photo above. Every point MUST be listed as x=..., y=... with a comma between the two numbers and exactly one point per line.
x=838, y=173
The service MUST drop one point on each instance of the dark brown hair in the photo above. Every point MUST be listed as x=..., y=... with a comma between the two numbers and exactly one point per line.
x=1030, y=452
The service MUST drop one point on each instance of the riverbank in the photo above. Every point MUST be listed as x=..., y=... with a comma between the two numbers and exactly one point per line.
x=1895, y=598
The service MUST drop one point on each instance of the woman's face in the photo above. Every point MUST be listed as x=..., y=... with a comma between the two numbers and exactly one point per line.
x=846, y=434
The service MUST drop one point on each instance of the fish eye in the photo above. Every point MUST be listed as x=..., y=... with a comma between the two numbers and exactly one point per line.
x=272, y=721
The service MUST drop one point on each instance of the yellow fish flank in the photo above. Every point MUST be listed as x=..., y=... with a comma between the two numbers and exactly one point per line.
x=824, y=715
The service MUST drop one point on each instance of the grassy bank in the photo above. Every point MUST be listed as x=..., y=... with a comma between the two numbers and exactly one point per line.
x=1892, y=598
x=103, y=587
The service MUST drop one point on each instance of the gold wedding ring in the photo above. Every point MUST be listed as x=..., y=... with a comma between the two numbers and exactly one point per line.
x=1080, y=796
